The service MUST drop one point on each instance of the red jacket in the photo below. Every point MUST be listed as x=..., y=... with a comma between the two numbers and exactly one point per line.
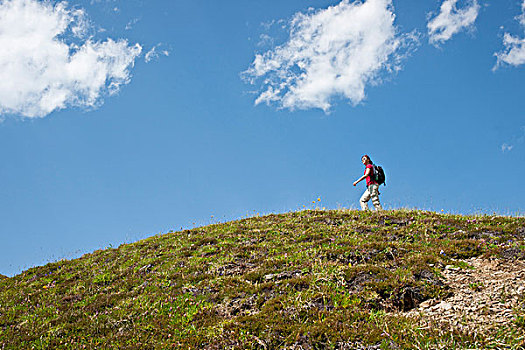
x=370, y=178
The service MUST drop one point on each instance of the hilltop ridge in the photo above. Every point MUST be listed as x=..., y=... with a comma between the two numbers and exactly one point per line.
x=340, y=279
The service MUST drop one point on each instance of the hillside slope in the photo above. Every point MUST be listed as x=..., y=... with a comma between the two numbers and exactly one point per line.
x=304, y=280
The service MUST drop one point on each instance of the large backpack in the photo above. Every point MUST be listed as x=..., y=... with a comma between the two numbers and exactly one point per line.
x=379, y=175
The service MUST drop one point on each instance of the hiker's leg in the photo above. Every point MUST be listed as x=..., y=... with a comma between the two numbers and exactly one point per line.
x=374, y=194
x=364, y=200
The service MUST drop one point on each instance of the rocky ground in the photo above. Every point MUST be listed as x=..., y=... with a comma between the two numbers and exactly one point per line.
x=485, y=295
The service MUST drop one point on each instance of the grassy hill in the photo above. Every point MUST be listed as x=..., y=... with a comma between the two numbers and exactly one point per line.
x=303, y=280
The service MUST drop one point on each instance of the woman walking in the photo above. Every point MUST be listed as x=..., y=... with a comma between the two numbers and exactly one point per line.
x=372, y=187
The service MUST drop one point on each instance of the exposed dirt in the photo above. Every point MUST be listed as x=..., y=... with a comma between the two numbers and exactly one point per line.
x=483, y=296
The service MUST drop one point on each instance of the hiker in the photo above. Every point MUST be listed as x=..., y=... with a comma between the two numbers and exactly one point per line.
x=372, y=187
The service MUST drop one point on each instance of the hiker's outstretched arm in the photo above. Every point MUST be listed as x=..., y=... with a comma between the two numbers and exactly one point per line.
x=359, y=180
x=363, y=177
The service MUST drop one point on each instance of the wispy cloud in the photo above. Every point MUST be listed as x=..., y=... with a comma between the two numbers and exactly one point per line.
x=514, y=52
x=132, y=23
x=334, y=52
x=48, y=63
x=265, y=40
x=450, y=20
x=155, y=52
x=516, y=141
x=506, y=148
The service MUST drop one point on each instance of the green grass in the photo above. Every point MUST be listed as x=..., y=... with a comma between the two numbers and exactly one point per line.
x=318, y=279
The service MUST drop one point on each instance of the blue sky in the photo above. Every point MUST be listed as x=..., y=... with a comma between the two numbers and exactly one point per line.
x=124, y=119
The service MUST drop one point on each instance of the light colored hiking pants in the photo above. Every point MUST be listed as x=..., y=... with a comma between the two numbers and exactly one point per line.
x=372, y=192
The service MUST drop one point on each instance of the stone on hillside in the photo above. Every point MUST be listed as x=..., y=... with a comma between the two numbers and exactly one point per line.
x=444, y=306
x=512, y=254
x=429, y=277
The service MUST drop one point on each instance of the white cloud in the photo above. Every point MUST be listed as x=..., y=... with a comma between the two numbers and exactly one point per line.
x=514, y=51
x=48, y=64
x=154, y=53
x=132, y=23
x=517, y=140
x=506, y=148
x=335, y=52
x=451, y=20
x=521, y=18
x=265, y=40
